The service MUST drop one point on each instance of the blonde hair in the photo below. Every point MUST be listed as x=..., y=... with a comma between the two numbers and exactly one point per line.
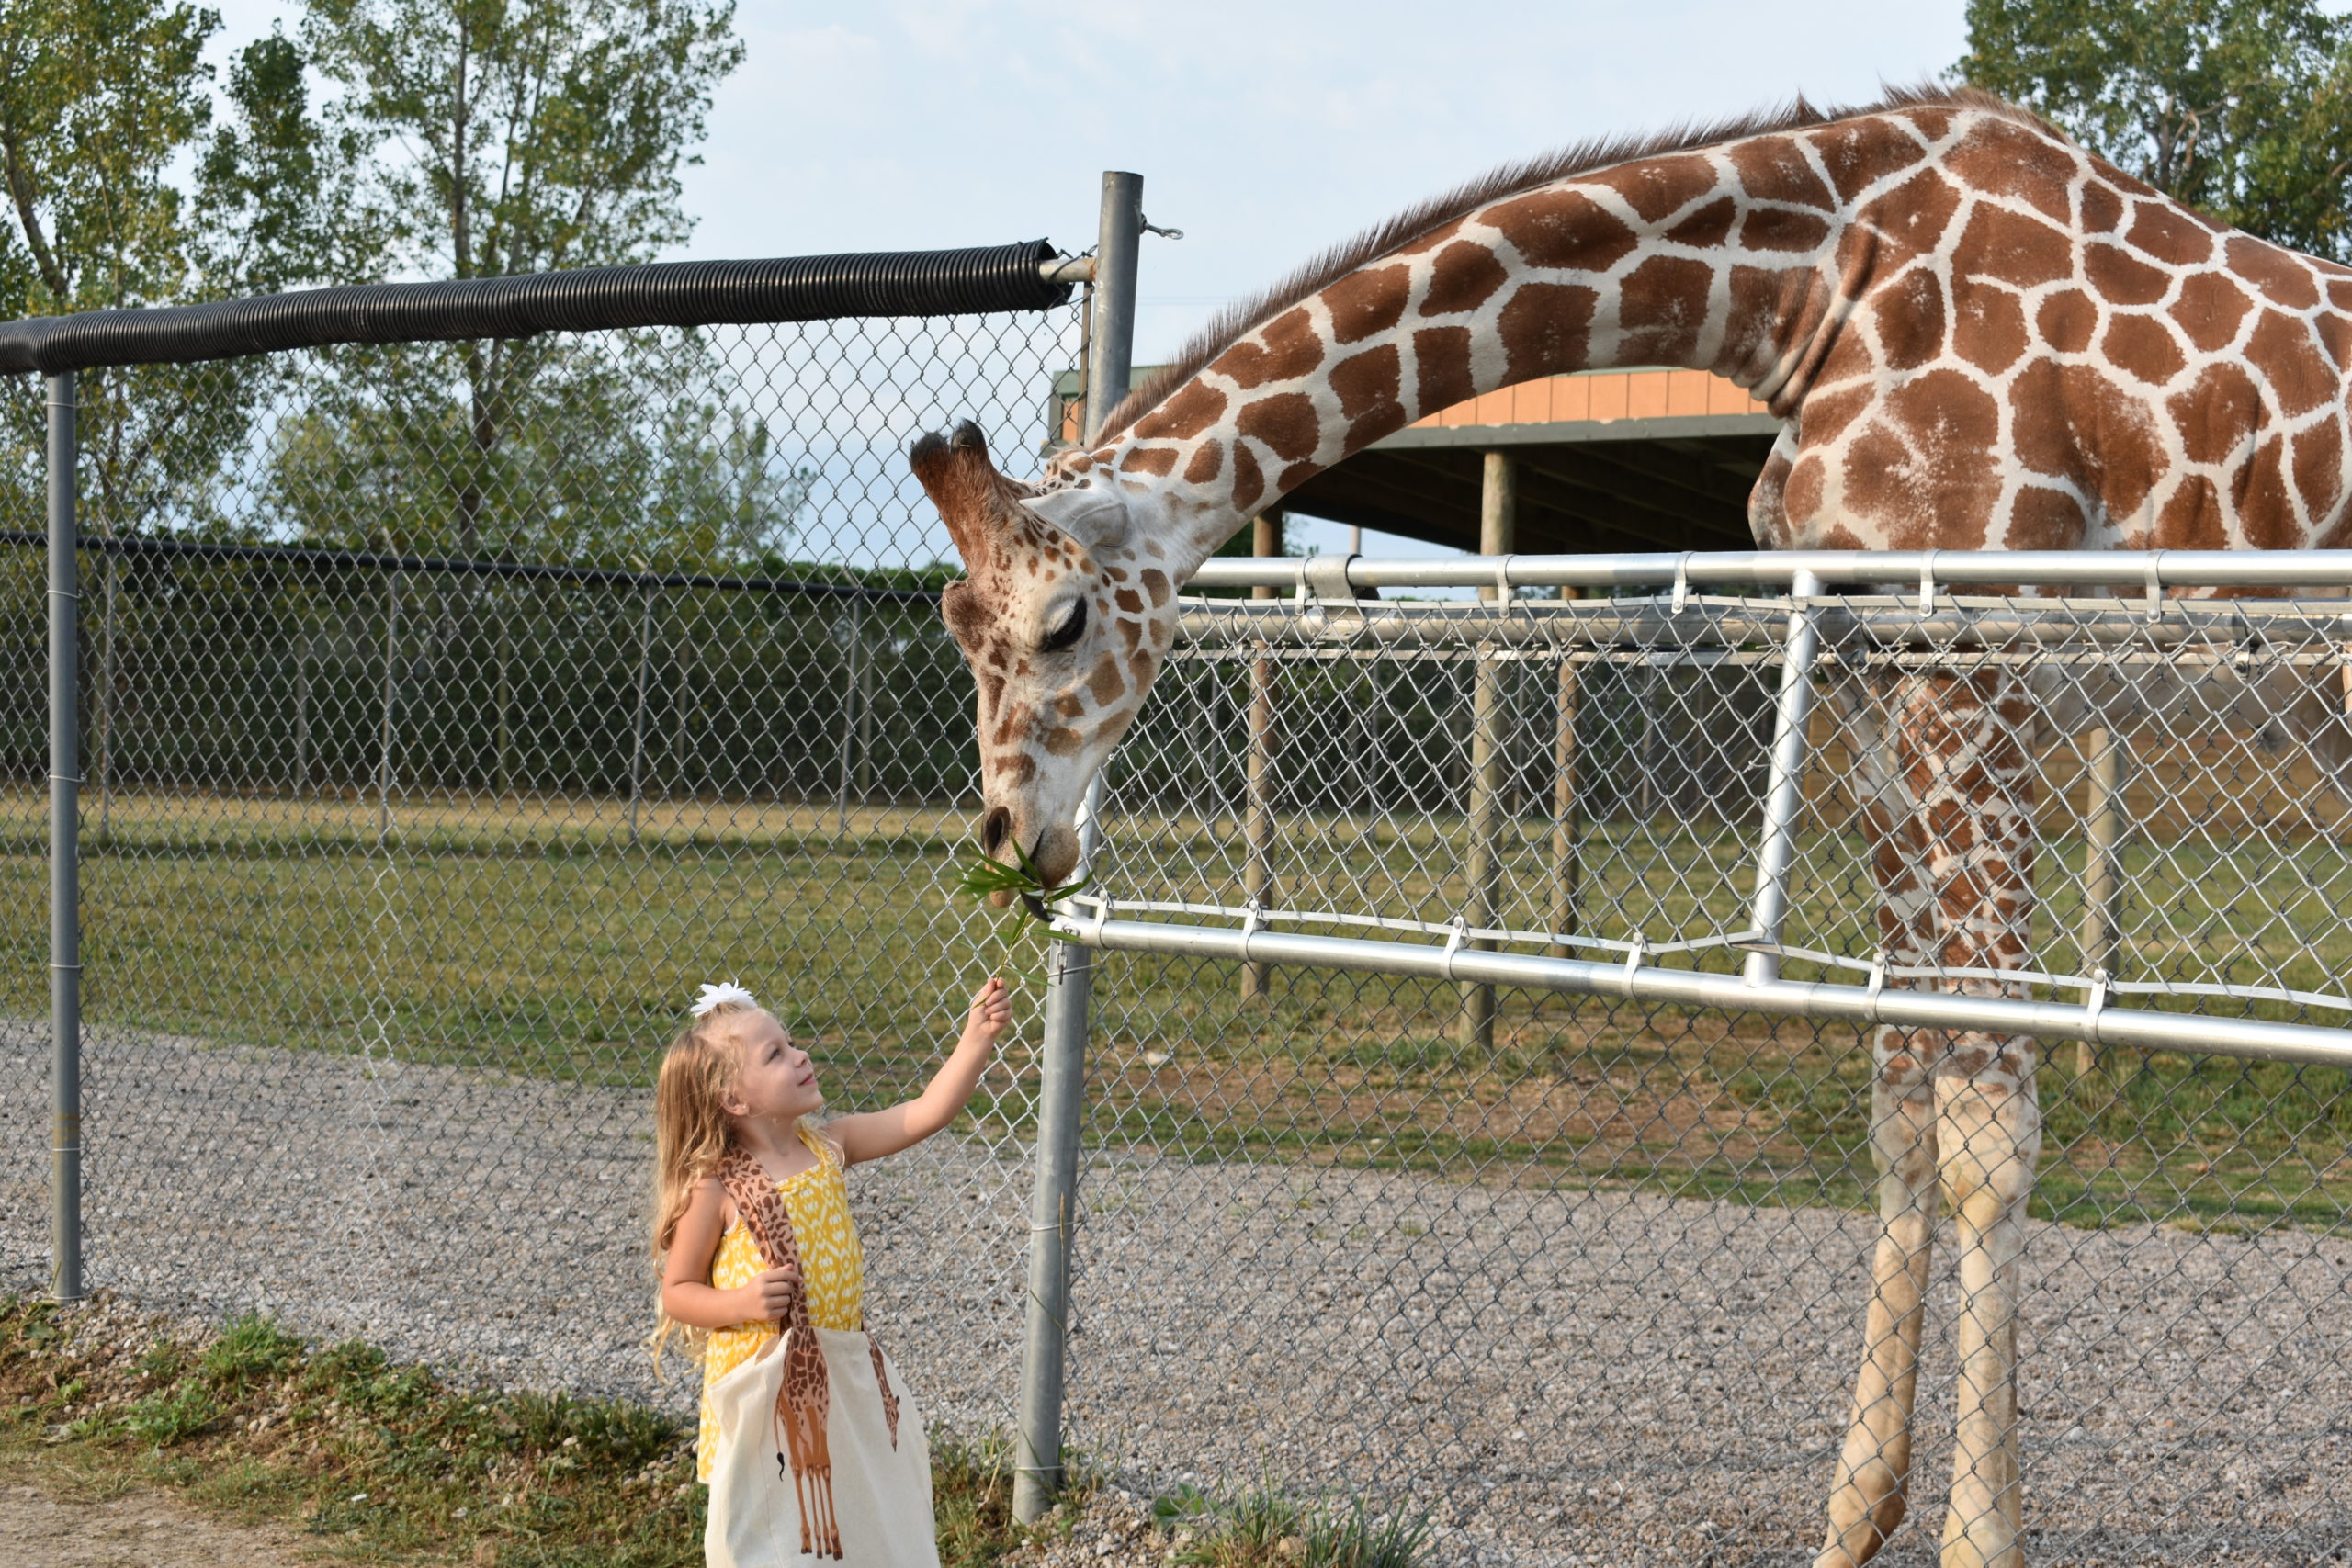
x=691, y=1134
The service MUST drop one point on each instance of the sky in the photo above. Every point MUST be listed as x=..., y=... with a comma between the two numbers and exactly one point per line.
x=1265, y=129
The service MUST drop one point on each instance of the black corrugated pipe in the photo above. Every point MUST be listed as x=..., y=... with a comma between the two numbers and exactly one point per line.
x=660, y=294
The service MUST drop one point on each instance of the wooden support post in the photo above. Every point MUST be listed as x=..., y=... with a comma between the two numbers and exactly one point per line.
x=1258, y=808
x=1568, y=850
x=1489, y=747
x=2105, y=775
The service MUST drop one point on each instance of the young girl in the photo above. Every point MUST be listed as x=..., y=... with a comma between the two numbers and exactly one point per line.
x=759, y=1253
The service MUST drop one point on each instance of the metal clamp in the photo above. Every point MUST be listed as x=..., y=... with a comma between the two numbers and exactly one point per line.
x=1681, y=583
x=1252, y=914
x=1633, y=956
x=2155, y=586
x=1878, y=982
x=2094, y=1005
x=1456, y=936
x=1502, y=578
x=1928, y=582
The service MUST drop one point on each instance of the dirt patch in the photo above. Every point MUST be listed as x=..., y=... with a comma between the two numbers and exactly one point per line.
x=48, y=1521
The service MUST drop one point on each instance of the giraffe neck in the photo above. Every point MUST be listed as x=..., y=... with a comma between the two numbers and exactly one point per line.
x=1729, y=259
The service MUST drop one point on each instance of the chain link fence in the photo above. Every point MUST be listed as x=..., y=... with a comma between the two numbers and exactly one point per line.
x=437, y=740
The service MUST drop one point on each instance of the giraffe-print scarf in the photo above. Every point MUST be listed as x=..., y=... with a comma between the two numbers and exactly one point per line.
x=804, y=1396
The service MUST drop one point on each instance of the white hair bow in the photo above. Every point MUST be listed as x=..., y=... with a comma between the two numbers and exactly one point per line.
x=728, y=991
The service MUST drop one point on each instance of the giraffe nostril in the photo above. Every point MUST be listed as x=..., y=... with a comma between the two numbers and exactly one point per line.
x=994, y=827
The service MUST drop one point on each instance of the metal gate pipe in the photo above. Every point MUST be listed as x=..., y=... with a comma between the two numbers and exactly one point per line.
x=1785, y=786
x=1070, y=968
x=2188, y=1033
x=64, y=847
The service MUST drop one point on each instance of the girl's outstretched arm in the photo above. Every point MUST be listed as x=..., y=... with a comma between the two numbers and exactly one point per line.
x=878, y=1132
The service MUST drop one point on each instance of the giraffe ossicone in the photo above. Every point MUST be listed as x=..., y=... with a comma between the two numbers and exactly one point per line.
x=1976, y=336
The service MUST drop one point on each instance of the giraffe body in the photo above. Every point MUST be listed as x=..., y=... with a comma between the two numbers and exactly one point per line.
x=1976, y=336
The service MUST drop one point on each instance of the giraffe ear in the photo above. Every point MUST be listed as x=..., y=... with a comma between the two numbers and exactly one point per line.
x=1094, y=515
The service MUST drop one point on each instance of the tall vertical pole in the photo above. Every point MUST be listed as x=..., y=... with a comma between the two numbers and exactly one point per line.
x=1784, y=784
x=1070, y=968
x=1258, y=767
x=65, y=863
x=1568, y=851
x=2102, y=933
x=1498, y=534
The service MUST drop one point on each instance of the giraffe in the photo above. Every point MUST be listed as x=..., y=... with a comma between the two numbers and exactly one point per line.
x=1976, y=336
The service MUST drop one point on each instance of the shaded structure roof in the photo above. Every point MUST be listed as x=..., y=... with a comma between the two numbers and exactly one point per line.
x=1608, y=460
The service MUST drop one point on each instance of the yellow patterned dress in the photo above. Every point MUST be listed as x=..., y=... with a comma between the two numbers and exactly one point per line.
x=832, y=1265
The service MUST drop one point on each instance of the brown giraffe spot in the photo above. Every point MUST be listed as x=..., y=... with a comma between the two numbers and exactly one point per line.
x=1858, y=152
x=1133, y=632
x=1774, y=168
x=1368, y=380
x=1442, y=368
x=1909, y=220
x=1140, y=664
x=2335, y=334
x=2284, y=278
x=1800, y=497
x=2073, y=422
x=2339, y=292
x=1105, y=682
x=2190, y=519
x=1285, y=422
x=1380, y=423
x=1661, y=305
x=1292, y=348
x=1363, y=303
x=1562, y=228
x=1185, y=415
x=2103, y=209
x=1988, y=324
x=2067, y=320
x=2169, y=233
x=1656, y=188
x=2215, y=412
x=1827, y=414
x=1708, y=227
x=1769, y=307
x=2121, y=278
x=1909, y=316
x=2002, y=157
x=1062, y=741
x=2013, y=248
x=992, y=690
x=1208, y=461
x=2142, y=347
x=2282, y=350
x=1130, y=600
x=1156, y=584
x=1463, y=278
x=2210, y=305
x=2319, y=468
x=1159, y=461
x=1776, y=228
x=1249, y=479
x=2266, y=509
x=1070, y=705
x=1295, y=476
x=2043, y=519
x=1544, y=329
x=1949, y=427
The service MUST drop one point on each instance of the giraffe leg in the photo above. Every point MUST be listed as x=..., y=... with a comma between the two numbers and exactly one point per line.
x=1866, y=1497
x=1991, y=1132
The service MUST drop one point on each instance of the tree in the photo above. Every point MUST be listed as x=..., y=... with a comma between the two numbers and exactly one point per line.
x=2241, y=109
x=512, y=136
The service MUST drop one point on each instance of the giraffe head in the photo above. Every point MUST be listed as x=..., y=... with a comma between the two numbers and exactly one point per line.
x=1063, y=617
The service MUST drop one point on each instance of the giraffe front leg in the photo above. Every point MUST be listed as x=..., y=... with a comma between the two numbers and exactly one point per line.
x=1867, y=1498
x=1990, y=1129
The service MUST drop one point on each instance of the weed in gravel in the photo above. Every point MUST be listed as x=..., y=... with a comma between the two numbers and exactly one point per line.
x=1265, y=1527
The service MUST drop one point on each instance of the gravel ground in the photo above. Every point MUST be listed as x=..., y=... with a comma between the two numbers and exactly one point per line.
x=1564, y=1378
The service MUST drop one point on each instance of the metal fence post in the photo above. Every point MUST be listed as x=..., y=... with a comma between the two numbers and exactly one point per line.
x=1784, y=785
x=1069, y=969
x=1497, y=532
x=1258, y=768
x=64, y=867
x=2102, y=932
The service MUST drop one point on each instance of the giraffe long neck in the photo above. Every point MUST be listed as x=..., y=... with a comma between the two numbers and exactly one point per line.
x=1730, y=259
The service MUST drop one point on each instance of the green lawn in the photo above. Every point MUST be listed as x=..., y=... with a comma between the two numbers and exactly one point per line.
x=537, y=937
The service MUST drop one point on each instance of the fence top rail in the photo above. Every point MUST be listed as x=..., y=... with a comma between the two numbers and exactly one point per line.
x=600, y=576
x=2152, y=570
x=1025, y=276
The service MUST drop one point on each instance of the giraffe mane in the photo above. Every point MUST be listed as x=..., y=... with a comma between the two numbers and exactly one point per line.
x=1235, y=321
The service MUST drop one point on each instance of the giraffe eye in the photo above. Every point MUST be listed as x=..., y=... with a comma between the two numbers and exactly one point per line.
x=1065, y=632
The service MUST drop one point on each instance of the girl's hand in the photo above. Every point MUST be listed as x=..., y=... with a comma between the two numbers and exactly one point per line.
x=992, y=1013
x=769, y=1295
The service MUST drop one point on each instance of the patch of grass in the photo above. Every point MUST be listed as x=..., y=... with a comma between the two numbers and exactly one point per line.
x=385, y=1461
x=1266, y=1527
